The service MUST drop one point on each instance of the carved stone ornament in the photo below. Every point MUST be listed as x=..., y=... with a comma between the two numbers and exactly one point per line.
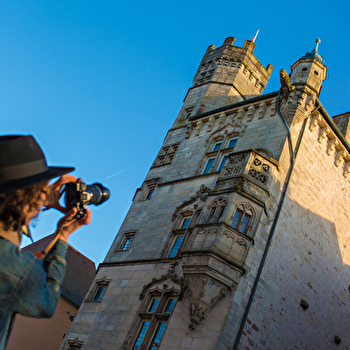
x=233, y=126
x=75, y=342
x=295, y=104
x=204, y=293
x=168, y=282
x=193, y=203
x=188, y=131
x=207, y=231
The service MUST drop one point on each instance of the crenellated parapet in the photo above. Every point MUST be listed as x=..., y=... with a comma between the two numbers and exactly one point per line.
x=336, y=147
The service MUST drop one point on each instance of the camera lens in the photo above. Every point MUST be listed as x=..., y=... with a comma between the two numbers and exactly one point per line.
x=98, y=193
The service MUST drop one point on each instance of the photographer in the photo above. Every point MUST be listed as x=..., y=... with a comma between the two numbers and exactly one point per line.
x=29, y=286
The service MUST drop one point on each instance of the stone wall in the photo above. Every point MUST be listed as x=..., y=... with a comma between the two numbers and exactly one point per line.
x=308, y=259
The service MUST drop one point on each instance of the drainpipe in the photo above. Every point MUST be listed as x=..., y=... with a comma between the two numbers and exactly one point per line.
x=293, y=155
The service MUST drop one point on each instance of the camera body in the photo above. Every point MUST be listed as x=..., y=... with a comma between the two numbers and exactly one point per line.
x=80, y=195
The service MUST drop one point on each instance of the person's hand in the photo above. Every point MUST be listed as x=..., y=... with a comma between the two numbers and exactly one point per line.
x=68, y=225
x=54, y=193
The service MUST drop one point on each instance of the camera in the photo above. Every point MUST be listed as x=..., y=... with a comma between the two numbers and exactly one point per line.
x=80, y=195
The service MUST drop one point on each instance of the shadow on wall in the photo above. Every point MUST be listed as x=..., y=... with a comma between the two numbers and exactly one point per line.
x=304, y=263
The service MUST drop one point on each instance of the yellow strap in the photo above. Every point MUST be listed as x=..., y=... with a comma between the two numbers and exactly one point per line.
x=40, y=255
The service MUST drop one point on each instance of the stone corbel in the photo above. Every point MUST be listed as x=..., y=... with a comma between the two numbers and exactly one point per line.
x=261, y=110
x=188, y=131
x=240, y=114
x=250, y=114
x=323, y=134
x=273, y=108
x=331, y=146
x=222, y=118
x=199, y=126
x=347, y=170
x=211, y=123
x=315, y=121
x=204, y=293
x=340, y=157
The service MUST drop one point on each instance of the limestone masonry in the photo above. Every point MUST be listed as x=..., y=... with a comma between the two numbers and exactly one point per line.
x=239, y=235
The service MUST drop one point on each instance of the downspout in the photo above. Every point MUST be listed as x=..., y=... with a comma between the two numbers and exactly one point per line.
x=293, y=155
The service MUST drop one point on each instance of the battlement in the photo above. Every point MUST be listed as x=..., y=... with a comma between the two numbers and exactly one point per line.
x=226, y=75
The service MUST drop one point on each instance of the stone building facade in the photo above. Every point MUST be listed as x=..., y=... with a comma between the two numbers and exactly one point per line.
x=238, y=237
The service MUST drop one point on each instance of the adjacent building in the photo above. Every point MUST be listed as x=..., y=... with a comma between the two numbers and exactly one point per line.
x=32, y=333
x=239, y=235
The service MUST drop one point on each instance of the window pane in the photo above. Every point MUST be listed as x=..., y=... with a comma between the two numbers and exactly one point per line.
x=100, y=293
x=236, y=218
x=209, y=165
x=141, y=335
x=170, y=305
x=150, y=193
x=186, y=222
x=217, y=146
x=158, y=336
x=222, y=163
x=232, y=143
x=176, y=246
x=244, y=223
x=127, y=243
x=154, y=304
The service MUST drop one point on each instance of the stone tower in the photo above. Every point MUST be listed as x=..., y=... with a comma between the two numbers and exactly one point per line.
x=226, y=75
x=238, y=237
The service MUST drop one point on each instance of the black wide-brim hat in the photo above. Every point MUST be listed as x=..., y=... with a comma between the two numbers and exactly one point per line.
x=22, y=163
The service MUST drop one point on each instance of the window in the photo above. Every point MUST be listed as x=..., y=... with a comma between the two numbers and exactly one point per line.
x=154, y=321
x=241, y=219
x=99, y=290
x=150, y=193
x=176, y=246
x=186, y=222
x=166, y=155
x=127, y=243
x=216, y=209
x=178, y=235
x=222, y=163
x=188, y=112
x=209, y=165
x=217, y=146
x=232, y=142
x=218, y=153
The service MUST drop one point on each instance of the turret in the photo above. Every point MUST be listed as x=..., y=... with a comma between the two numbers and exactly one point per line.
x=309, y=71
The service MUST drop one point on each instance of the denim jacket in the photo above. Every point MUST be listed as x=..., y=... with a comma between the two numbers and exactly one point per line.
x=29, y=286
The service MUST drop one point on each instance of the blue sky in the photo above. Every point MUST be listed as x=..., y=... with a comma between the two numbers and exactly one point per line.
x=99, y=83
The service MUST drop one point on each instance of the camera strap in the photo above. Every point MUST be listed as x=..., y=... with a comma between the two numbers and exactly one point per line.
x=41, y=255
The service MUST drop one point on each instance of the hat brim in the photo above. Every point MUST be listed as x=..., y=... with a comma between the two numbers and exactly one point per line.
x=18, y=184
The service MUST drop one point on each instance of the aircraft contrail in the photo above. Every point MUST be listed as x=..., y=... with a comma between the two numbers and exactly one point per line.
x=108, y=177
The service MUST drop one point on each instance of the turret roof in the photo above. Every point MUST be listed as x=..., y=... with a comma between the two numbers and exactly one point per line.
x=314, y=53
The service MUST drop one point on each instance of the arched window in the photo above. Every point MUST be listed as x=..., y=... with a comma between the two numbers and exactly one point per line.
x=216, y=210
x=242, y=218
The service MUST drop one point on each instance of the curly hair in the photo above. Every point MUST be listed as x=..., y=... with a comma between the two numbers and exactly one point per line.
x=12, y=204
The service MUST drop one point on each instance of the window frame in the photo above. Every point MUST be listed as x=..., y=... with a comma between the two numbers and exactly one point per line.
x=218, y=155
x=156, y=318
x=215, y=210
x=166, y=155
x=205, y=171
x=101, y=283
x=245, y=212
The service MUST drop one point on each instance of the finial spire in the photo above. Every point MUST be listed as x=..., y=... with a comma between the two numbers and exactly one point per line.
x=318, y=40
